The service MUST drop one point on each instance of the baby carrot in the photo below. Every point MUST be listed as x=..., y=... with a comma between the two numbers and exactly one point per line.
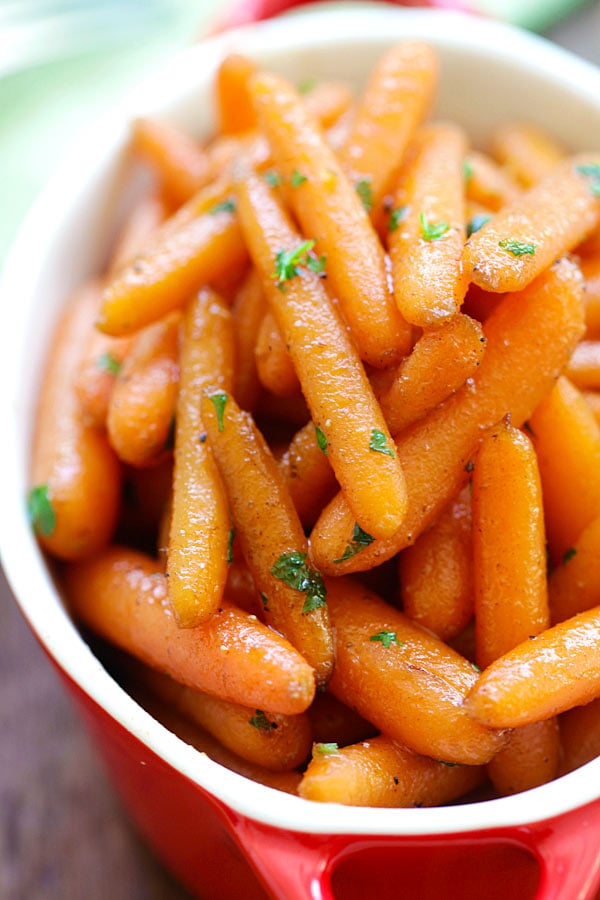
x=580, y=735
x=179, y=161
x=235, y=112
x=487, y=183
x=583, y=368
x=546, y=222
x=380, y=772
x=531, y=758
x=269, y=532
x=527, y=153
x=334, y=722
x=439, y=363
x=330, y=210
x=145, y=217
x=142, y=404
x=197, y=554
x=75, y=476
x=403, y=679
x=541, y=677
x=395, y=101
x=435, y=573
x=122, y=596
x=273, y=362
x=333, y=381
x=591, y=273
x=529, y=338
x=308, y=476
x=574, y=585
x=567, y=441
x=426, y=246
x=249, y=307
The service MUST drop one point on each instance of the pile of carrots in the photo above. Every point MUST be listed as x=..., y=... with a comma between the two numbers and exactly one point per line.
x=319, y=451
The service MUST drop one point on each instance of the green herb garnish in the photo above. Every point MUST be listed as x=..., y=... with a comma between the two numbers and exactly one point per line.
x=316, y=264
x=219, y=401
x=397, y=214
x=272, y=177
x=378, y=443
x=287, y=262
x=265, y=601
x=323, y=749
x=432, y=231
x=476, y=223
x=109, y=363
x=387, y=638
x=40, y=510
x=291, y=568
x=360, y=540
x=569, y=554
x=591, y=171
x=321, y=439
x=467, y=169
x=307, y=85
x=230, y=539
x=517, y=248
x=297, y=178
x=365, y=192
x=224, y=206
x=260, y=721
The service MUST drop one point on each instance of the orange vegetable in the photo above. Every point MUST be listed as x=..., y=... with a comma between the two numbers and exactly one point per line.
x=121, y=596
x=273, y=362
x=529, y=338
x=308, y=476
x=274, y=545
x=75, y=476
x=333, y=381
x=487, y=183
x=527, y=152
x=574, y=585
x=235, y=112
x=580, y=736
x=197, y=554
x=178, y=159
x=426, y=244
x=248, y=311
x=142, y=221
x=333, y=721
x=583, y=368
x=591, y=273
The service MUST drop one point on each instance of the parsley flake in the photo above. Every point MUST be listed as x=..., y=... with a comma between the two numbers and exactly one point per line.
x=321, y=439
x=592, y=171
x=260, y=721
x=109, y=363
x=40, y=510
x=265, y=601
x=397, y=215
x=387, y=638
x=224, y=206
x=297, y=178
x=219, y=401
x=378, y=443
x=287, y=262
x=325, y=748
x=569, y=554
x=272, y=177
x=432, y=231
x=230, y=539
x=467, y=169
x=307, y=85
x=476, y=223
x=316, y=264
x=291, y=568
x=517, y=248
x=365, y=192
x=360, y=540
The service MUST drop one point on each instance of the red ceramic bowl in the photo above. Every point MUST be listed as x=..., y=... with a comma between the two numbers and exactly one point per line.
x=224, y=836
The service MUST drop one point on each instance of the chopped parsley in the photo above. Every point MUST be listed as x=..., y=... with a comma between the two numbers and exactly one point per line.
x=569, y=554
x=592, y=171
x=379, y=444
x=219, y=401
x=365, y=192
x=397, y=215
x=265, y=601
x=387, y=638
x=287, y=262
x=272, y=177
x=230, y=539
x=475, y=666
x=40, y=510
x=260, y=721
x=224, y=206
x=307, y=85
x=321, y=439
x=324, y=749
x=109, y=363
x=297, y=178
x=517, y=248
x=360, y=540
x=476, y=223
x=316, y=264
x=432, y=231
x=291, y=568
x=467, y=169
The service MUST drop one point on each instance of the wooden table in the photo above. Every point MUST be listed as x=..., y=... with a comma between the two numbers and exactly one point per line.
x=63, y=833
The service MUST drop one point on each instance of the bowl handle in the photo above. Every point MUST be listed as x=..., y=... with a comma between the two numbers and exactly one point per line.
x=568, y=853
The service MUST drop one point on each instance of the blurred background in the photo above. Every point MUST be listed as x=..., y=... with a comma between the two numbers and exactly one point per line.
x=63, y=834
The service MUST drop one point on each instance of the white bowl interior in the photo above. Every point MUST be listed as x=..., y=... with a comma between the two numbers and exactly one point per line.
x=490, y=73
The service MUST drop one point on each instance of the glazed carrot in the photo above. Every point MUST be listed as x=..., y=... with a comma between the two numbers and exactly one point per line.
x=330, y=211
x=550, y=219
x=179, y=161
x=591, y=273
x=439, y=363
x=333, y=722
x=487, y=183
x=248, y=311
x=529, y=338
x=145, y=496
x=426, y=245
x=198, y=541
x=380, y=772
x=567, y=442
x=200, y=242
x=592, y=399
x=396, y=99
x=235, y=112
x=403, y=679
x=269, y=532
x=121, y=596
x=273, y=362
x=543, y=676
x=272, y=740
x=142, y=402
x=574, y=585
x=75, y=476
x=240, y=588
x=509, y=547
x=435, y=573
x=144, y=219
x=580, y=736
x=480, y=304
x=583, y=368
x=527, y=152
x=307, y=474
x=511, y=595
x=333, y=381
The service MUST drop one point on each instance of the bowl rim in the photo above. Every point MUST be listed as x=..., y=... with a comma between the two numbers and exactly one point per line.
x=22, y=560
